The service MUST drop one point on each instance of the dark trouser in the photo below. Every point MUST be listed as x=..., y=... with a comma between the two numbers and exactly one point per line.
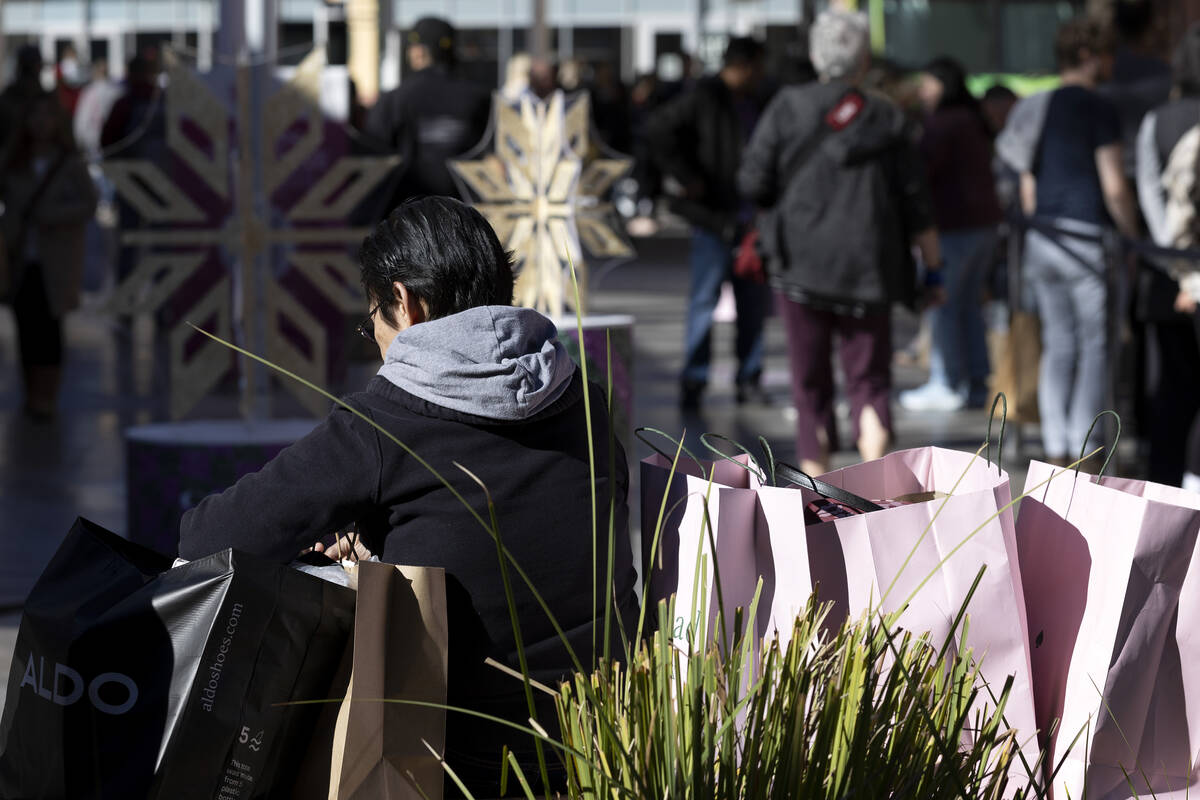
x=1174, y=399
x=865, y=350
x=712, y=265
x=39, y=332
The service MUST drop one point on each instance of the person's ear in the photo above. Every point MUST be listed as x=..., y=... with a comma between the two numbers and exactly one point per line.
x=411, y=309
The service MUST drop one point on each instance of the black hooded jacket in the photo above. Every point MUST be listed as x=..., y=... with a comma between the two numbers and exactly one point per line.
x=434, y=115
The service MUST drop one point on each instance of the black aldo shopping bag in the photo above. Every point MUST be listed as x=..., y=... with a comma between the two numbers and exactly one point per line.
x=132, y=679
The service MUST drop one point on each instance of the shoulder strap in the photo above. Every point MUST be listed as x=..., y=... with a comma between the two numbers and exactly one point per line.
x=837, y=118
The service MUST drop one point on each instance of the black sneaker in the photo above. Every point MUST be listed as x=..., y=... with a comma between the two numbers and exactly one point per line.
x=689, y=395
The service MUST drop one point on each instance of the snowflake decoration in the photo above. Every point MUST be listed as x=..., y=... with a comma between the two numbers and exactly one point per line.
x=243, y=232
x=544, y=188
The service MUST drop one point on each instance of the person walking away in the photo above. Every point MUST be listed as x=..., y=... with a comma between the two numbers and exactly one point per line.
x=697, y=140
x=841, y=172
x=434, y=114
x=957, y=149
x=1168, y=157
x=19, y=96
x=1067, y=144
x=48, y=198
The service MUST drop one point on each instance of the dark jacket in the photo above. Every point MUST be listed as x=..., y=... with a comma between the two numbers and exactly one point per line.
x=957, y=149
x=524, y=436
x=847, y=191
x=696, y=138
x=432, y=116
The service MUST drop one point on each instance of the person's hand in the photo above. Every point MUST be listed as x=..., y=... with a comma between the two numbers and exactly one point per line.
x=345, y=548
x=1185, y=303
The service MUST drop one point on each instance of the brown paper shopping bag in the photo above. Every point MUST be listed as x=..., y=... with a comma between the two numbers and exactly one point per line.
x=1016, y=373
x=368, y=748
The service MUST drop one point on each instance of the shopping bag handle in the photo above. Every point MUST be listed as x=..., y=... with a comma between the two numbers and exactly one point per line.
x=638, y=432
x=1112, y=451
x=1000, y=397
x=756, y=469
x=786, y=472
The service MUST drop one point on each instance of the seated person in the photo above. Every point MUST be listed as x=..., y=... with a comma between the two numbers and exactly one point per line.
x=467, y=379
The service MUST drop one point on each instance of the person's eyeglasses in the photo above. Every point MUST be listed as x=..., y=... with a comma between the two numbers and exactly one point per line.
x=366, y=328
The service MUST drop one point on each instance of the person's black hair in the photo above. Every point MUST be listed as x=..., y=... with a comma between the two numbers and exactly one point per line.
x=1133, y=19
x=743, y=51
x=438, y=36
x=1186, y=63
x=999, y=91
x=140, y=67
x=29, y=61
x=443, y=251
x=953, y=77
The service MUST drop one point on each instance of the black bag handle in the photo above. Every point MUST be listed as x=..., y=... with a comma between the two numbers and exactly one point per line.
x=786, y=472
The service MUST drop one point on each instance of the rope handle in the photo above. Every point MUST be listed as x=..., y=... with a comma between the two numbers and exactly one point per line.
x=1112, y=452
x=638, y=432
x=755, y=466
x=1000, y=397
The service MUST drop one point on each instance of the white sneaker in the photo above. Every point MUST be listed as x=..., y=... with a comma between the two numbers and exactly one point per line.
x=932, y=397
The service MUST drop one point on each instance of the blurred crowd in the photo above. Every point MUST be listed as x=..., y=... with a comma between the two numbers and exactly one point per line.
x=827, y=192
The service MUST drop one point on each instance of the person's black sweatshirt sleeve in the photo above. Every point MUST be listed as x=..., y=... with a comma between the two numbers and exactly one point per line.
x=315, y=487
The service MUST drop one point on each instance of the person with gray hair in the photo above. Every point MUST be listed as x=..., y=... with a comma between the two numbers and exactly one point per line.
x=839, y=170
x=839, y=44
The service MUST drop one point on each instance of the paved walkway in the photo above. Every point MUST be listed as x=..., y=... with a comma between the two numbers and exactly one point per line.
x=51, y=474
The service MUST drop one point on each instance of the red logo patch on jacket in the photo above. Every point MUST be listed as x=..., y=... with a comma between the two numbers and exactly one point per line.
x=846, y=111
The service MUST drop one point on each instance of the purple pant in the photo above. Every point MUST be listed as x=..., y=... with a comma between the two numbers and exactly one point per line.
x=865, y=350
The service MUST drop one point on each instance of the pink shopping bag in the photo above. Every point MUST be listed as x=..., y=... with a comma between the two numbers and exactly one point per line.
x=928, y=554
x=683, y=565
x=1113, y=597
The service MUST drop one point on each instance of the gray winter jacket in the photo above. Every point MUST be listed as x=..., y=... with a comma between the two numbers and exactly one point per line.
x=843, y=179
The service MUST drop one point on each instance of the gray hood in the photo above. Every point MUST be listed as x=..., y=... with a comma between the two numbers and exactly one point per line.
x=499, y=362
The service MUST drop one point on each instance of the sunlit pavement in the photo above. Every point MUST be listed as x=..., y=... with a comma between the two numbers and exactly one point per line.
x=50, y=474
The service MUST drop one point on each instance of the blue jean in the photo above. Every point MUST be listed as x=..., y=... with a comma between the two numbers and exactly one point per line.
x=1068, y=279
x=712, y=265
x=959, y=352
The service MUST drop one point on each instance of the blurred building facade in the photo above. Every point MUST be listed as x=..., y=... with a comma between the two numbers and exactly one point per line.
x=1012, y=36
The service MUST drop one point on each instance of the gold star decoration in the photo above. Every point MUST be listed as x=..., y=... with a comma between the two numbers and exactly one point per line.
x=544, y=189
x=229, y=218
